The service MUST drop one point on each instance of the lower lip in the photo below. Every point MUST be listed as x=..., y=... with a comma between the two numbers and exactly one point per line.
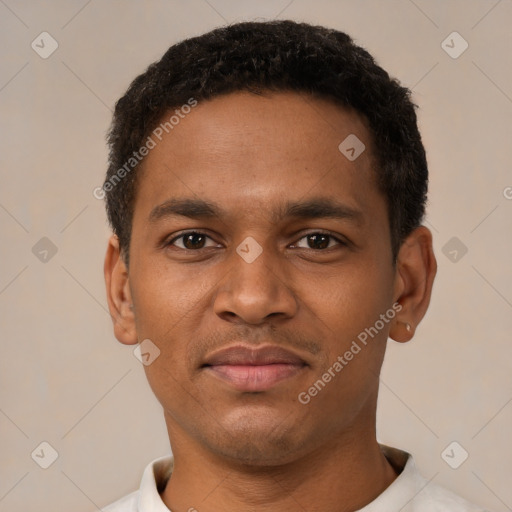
x=255, y=378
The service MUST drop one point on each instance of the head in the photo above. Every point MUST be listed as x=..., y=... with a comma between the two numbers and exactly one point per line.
x=266, y=188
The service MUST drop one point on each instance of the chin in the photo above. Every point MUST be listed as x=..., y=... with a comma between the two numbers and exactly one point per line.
x=257, y=452
x=259, y=440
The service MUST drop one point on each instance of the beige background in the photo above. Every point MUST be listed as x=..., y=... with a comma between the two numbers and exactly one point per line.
x=66, y=380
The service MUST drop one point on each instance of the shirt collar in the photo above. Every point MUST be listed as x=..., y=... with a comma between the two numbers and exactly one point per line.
x=153, y=482
x=404, y=488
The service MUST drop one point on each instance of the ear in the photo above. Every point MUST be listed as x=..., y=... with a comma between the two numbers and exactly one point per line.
x=119, y=294
x=415, y=272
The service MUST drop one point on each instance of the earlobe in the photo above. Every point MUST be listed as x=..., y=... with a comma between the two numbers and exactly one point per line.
x=401, y=331
x=415, y=273
x=118, y=294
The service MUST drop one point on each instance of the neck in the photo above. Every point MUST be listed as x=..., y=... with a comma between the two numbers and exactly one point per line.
x=340, y=476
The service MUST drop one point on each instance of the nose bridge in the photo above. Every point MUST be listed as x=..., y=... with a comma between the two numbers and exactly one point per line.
x=255, y=268
x=255, y=286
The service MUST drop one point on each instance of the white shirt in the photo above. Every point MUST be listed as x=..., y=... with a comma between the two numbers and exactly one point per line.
x=409, y=492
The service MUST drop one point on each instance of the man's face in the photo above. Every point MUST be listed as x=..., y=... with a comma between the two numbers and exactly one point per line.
x=252, y=157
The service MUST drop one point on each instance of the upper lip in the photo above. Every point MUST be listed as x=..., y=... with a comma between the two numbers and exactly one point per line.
x=253, y=356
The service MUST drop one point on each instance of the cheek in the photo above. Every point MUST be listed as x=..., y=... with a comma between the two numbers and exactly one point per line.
x=169, y=308
x=348, y=310
x=354, y=346
x=349, y=298
x=170, y=387
x=165, y=298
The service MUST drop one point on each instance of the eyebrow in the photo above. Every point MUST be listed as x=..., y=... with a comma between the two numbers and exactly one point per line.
x=314, y=208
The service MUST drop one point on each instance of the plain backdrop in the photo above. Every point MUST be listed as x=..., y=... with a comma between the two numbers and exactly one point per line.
x=64, y=378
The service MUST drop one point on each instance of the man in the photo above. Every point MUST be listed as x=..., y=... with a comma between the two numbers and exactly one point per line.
x=266, y=188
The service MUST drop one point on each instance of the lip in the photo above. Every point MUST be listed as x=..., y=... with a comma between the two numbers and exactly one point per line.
x=254, y=369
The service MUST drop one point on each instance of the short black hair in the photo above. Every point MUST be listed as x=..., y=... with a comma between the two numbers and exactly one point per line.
x=262, y=57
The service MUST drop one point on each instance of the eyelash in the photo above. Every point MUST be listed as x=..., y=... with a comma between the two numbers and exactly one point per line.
x=193, y=232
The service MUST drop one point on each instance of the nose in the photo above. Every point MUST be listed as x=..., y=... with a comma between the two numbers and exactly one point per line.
x=254, y=292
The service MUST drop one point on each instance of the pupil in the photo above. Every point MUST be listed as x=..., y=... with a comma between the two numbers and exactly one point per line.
x=194, y=236
x=317, y=237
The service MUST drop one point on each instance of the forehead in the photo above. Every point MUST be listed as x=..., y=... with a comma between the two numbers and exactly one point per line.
x=243, y=150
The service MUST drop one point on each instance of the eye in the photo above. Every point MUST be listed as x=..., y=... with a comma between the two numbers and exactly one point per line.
x=319, y=241
x=191, y=240
x=196, y=240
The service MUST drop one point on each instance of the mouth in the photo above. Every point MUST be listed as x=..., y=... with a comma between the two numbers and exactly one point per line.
x=254, y=369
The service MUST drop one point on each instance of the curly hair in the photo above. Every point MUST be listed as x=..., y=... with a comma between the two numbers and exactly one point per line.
x=274, y=56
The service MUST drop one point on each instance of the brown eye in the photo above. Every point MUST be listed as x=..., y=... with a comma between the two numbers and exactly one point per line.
x=191, y=240
x=319, y=241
